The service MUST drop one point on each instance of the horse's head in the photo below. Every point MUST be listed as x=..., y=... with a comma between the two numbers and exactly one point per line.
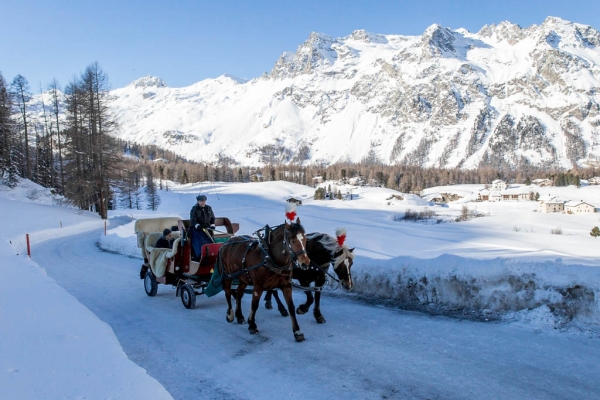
x=342, y=262
x=295, y=243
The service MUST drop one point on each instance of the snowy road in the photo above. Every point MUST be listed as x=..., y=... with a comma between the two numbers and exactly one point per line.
x=362, y=352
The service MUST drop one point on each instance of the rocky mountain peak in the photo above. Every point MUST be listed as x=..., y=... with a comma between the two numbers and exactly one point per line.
x=505, y=30
x=315, y=52
x=367, y=37
x=437, y=40
x=148, y=81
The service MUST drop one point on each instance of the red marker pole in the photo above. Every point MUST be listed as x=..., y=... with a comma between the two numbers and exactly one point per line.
x=28, y=246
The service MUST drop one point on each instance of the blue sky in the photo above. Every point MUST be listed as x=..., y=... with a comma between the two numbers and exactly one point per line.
x=184, y=42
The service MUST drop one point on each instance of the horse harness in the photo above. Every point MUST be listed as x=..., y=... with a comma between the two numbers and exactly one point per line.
x=263, y=240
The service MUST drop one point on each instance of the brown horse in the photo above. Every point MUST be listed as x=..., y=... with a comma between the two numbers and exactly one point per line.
x=266, y=262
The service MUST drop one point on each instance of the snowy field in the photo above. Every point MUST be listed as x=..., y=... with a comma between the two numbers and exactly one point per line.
x=505, y=266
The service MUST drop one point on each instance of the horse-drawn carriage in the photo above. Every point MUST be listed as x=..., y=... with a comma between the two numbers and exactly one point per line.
x=268, y=260
x=178, y=266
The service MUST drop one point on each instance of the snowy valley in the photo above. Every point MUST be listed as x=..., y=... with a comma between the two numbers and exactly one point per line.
x=519, y=294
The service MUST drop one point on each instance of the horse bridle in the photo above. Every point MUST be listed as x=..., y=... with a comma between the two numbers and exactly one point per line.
x=295, y=254
x=266, y=239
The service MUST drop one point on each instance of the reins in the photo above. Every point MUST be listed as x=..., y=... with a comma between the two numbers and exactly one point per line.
x=324, y=271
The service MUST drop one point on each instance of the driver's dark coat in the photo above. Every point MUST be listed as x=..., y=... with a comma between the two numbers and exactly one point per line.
x=203, y=216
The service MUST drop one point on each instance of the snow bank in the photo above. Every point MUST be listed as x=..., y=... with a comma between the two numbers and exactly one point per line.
x=500, y=287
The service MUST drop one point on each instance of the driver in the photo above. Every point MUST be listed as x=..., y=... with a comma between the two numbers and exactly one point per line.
x=202, y=219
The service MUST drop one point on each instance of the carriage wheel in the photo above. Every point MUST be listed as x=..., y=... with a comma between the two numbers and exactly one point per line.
x=150, y=284
x=188, y=296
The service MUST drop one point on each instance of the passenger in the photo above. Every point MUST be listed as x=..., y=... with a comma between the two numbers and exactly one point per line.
x=166, y=241
x=202, y=223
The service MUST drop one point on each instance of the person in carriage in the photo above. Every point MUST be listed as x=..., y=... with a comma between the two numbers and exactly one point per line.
x=166, y=241
x=202, y=224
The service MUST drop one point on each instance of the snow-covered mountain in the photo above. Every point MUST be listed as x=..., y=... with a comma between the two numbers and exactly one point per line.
x=446, y=98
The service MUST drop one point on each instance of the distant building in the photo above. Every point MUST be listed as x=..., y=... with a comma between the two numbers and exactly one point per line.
x=483, y=195
x=578, y=207
x=594, y=181
x=504, y=195
x=357, y=181
x=542, y=182
x=495, y=196
x=498, y=185
x=294, y=200
x=552, y=206
x=317, y=179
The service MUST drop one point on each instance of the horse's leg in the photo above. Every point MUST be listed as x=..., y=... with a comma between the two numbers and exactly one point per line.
x=256, y=294
x=303, y=308
x=280, y=305
x=227, y=288
x=238, y=303
x=287, y=294
x=317, y=310
x=268, y=304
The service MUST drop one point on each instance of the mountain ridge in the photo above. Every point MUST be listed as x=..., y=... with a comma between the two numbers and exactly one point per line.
x=505, y=95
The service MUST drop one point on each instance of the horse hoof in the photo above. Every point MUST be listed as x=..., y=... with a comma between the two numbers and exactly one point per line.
x=320, y=319
x=268, y=305
x=284, y=312
x=229, y=317
x=299, y=336
x=253, y=331
x=241, y=321
x=300, y=310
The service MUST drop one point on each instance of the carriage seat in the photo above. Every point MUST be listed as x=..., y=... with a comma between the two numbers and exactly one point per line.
x=147, y=226
x=159, y=258
x=153, y=237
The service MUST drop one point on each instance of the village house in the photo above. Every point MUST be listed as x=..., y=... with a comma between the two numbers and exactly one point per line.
x=542, y=182
x=514, y=195
x=483, y=195
x=552, y=206
x=294, y=201
x=578, y=207
x=594, y=181
x=504, y=195
x=357, y=181
x=498, y=185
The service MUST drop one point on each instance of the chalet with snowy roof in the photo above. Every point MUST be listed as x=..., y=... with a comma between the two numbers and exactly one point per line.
x=552, y=206
x=594, y=181
x=514, y=195
x=357, y=181
x=504, y=195
x=542, y=182
x=498, y=185
x=578, y=207
x=483, y=195
x=294, y=200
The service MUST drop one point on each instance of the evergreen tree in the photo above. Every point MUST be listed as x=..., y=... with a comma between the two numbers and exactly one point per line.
x=152, y=197
x=6, y=128
x=21, y=95
x=595, y=232
x=56, y=111
x=319, y=194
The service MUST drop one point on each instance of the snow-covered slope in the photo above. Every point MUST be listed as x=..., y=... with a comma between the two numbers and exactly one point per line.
x=446, y=98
